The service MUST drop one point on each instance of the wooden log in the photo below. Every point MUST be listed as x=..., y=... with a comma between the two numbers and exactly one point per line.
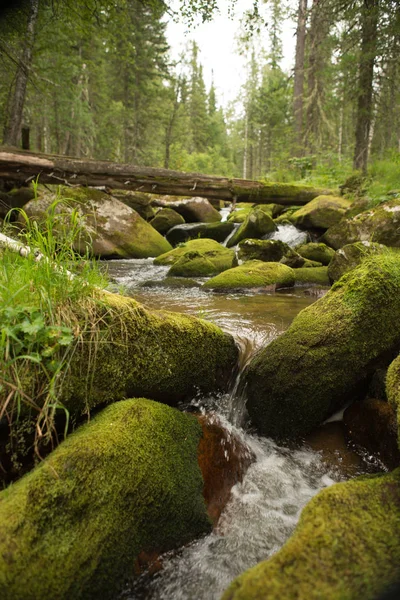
x=22, y=167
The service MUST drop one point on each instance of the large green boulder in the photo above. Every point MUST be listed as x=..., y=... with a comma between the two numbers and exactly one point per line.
x=127, y=482
x=325, y=357
x=191, y=231
x=380, y=224
x=257, y=224
x=202, y=246
x=193, y=210
x=317, y=252
x=312, y=275
x=345, y=547
x=253, y=274
x=165, y=219
x=269, y=251
x=197, y=264
x=350, y=256
x=320, y=213
x=110, y=228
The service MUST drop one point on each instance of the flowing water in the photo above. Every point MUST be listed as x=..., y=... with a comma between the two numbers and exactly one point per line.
x=265, y=507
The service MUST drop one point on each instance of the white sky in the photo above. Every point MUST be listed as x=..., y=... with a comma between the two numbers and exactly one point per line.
x=219, y=48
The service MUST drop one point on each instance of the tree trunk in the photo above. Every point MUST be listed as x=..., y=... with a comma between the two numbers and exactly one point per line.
x=12, y=130
x=22, y=167
x=369, y=35
x=299, y=77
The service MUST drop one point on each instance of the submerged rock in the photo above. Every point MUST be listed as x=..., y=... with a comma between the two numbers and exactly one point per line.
x=350, y=256
x=110, y=228
x=256, y=224
x=165, y=219
x=380, y=224
x=317, y=252
x=321, y=213
x=324, y=358
x=253, y=274
x=346, y=546
x=193, y=210
x=127, y=481
x=190, y=231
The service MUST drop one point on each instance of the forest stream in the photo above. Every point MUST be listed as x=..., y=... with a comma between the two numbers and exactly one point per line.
x=264, y=508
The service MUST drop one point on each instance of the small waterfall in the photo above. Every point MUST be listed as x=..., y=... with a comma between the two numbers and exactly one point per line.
x=288, y=234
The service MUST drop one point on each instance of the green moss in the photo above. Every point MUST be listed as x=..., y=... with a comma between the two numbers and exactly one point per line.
x=317, y=275
x=345, y=547
x=252, y=274
x=202, y=246
x=350, y=256
x=256, y=224
x=165, y=219
x=195, y=264
x=317, y=252
x=328, y=352
x=321, y=213
x=393, y=389
x=127, y=481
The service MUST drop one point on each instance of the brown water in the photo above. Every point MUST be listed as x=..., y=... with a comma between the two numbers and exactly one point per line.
x=265, y=507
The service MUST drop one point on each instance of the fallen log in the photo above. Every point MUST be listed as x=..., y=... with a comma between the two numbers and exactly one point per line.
x=22, y=167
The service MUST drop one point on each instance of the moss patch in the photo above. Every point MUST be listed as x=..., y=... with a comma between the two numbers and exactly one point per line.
x=317, y=252
x=326, y=355
x=393, y=389
x=252, y=274
x=195, y=264
x=317, y=275
x=350, y=256
x=165, y=219
x=256, y=224
x=202, y=246
x=345, y=547
x=128, y=481
x=321, y=213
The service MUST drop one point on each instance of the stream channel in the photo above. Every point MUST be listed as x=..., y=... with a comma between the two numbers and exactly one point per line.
x=264, y=508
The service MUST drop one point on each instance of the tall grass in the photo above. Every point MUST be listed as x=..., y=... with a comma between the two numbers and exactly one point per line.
x=45, y=305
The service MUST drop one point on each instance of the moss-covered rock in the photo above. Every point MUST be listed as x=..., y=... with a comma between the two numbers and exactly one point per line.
x=240, y=214
x=202, y=246
x=350, y=256
x=139, y=201
x=327, y=354
x=127, y=481
x=252, y=274
x=165, y=219
x=269, y=251
x=380, y=224
x=193, y=210
x=345, y=547
x=318, y=252
x=320, y=213
x=191, y=231
x=256, y=224
x=242, y=210
x=111, y=228
x=315, y=275
x=197, y=264
x=393, y=388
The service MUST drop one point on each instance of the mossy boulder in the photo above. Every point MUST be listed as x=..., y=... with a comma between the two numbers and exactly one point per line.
x=256, y=224
x=240, y=213
x=165, y=219
x=311, y=275
x=191, y=231
x=197, y=264
x=202, y=246
x=193, y=210
x=253, y=274
x=320, y=213
x=128, y=481
x=318, y=252
x=325, y=357
x=350, y=256
x=380, y=224
x=139, y=201
x=393, y=389
x=346, y=546
x=269, y=251
x=111, y=229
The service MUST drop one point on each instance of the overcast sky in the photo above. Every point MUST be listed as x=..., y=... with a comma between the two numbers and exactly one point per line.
x=219, y=48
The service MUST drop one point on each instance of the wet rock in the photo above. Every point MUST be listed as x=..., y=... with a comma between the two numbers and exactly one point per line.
x=165, y=219
x=380, y=224
x=212, y=231
x=243, y=209
x=318, y=252
x=202, y=246
x=346, y=545
x=350, y=256
x=197, y=264
x=320, y=213
x=127, y=482
x=193, y=210
x=325, y=357
x=269, y=251
x=372, y=424
x=140, y=202
x=224, y=459
x=255, y=274
x=256, y=224
x=111, y=229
